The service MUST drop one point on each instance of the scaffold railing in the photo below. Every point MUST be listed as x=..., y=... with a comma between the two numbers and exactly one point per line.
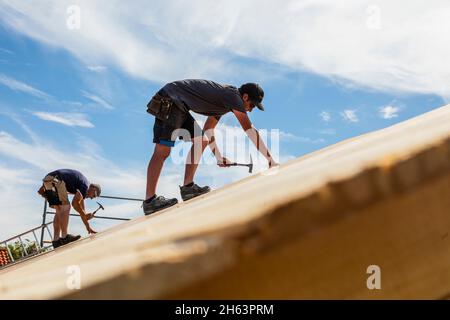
x=25, y=249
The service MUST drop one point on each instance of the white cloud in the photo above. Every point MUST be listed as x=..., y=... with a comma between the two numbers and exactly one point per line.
x=389, y=112
x=71, y=104
x=65, y=118
x=311, y=140
x=391, y=46
x=349, y=115
x=16, y=183
x=97, y=68
x=326, y=116
x=97, y=100
x=286, y=136
x=6, y=51
x=16, y=85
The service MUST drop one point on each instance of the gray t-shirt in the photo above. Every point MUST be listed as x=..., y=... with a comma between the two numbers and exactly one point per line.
x=204, y=97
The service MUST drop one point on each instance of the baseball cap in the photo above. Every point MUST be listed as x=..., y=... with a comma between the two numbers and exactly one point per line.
x=255, y=93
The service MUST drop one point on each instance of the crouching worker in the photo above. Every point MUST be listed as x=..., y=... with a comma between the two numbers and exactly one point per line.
x=55, y=188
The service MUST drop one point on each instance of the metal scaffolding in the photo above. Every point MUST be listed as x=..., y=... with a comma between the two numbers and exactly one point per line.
x=44, y=227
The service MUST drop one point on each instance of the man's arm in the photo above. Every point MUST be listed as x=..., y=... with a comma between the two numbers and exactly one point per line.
x=254, y=136
x=208, y=129
x=78, y=205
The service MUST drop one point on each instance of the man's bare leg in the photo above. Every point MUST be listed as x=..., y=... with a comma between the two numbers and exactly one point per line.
x=198, y=146
x=64, y=219
x=160, y=154
x=56, y=225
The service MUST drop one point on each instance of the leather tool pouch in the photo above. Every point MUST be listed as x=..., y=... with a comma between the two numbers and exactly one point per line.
x=160, y=107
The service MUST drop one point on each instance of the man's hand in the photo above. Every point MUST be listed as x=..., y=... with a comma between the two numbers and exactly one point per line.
x=89, y=216
x=223, y=162
x=272, y=163
x=90, y=230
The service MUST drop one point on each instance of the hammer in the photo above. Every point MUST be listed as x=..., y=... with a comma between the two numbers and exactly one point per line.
x=99, y=207
x=249, y=165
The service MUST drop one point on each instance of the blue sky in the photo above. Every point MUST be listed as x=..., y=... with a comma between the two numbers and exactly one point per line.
x=77, y=97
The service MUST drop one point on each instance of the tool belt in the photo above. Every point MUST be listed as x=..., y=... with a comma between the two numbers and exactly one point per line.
x=54, y=190
x=165, y=109
x=160, y=107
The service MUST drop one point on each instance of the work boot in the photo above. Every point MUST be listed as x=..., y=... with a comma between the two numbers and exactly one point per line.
x=157, y=203
x=56, y=243
x=69, y=238
x=192, y=190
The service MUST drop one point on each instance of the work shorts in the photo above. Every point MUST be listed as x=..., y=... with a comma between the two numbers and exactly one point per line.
x=54, y=191
x=186, y=128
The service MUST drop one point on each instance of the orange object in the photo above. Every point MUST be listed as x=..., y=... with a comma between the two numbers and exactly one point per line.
x=4, y=257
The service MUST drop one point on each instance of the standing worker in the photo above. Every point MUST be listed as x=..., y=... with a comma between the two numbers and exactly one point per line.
x=171, y=106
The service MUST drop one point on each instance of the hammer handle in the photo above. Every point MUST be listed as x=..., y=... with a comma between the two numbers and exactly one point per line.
x=238, y=164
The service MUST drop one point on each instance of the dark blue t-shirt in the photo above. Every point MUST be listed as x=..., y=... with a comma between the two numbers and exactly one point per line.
x=73, y=179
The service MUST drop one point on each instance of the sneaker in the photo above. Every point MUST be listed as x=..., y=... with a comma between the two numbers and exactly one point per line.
x=189, y=192
x=69, y=238
x=56, y=243
x=158, y=203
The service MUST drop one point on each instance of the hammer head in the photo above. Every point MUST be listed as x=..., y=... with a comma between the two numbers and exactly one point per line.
x=250, y=165
x=100, y=206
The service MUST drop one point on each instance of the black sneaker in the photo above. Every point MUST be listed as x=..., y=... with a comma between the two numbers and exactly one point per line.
x=56, y=243
x=158, y=203
x=69, y=238
x=189, y=192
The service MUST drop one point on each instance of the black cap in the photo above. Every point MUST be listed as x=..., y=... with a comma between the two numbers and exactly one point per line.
x=255, y=93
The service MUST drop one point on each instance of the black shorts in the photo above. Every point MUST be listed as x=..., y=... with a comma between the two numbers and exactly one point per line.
x=52, y=198
x=166, y=134
x=55, y=191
